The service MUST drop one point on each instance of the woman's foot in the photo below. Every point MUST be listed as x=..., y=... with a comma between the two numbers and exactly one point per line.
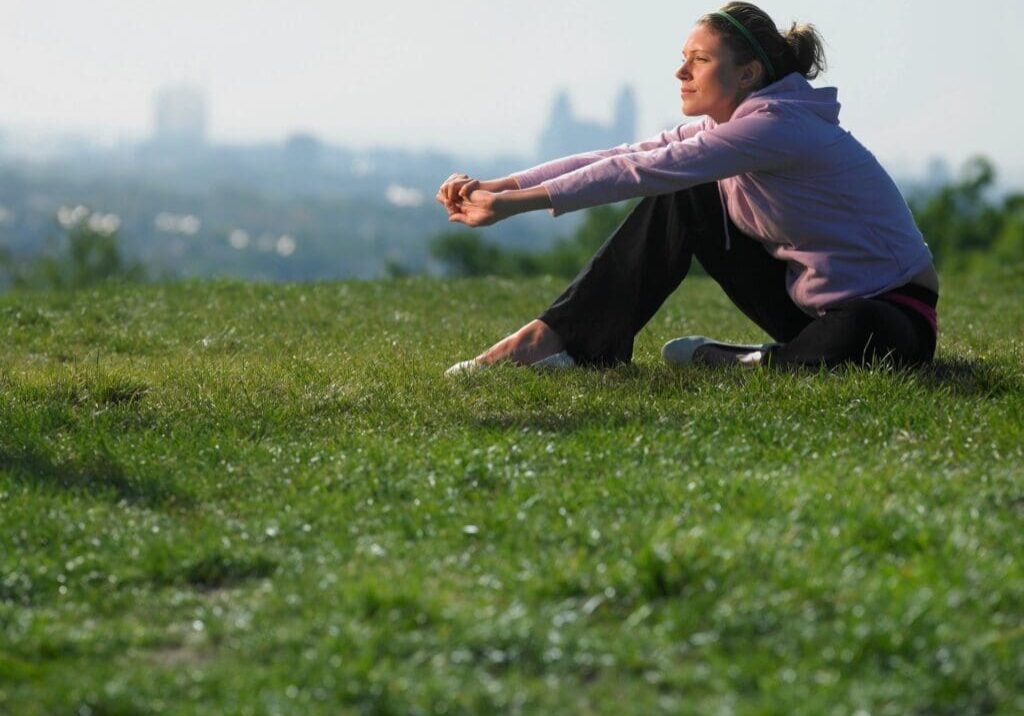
x=532, y=343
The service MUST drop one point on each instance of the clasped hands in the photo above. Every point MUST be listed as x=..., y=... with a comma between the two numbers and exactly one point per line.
x=472, y=202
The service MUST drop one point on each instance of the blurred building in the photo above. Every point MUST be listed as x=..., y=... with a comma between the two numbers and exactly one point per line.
x=179, y=117
x=566, y=134
x=303, y=150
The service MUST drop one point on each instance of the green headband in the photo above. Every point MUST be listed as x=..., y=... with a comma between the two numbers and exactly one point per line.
x=753, y=42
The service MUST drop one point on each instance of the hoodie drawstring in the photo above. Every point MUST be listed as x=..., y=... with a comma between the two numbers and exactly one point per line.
x=725, y=216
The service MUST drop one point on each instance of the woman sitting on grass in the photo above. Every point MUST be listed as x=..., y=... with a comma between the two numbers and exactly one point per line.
x=791, y=215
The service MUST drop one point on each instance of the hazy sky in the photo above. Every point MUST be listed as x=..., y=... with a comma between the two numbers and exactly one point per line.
x=916, y=78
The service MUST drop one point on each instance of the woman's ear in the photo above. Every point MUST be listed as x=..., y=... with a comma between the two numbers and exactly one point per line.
x=752, y=75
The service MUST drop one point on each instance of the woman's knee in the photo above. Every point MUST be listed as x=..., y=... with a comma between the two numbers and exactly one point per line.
x=860, y=331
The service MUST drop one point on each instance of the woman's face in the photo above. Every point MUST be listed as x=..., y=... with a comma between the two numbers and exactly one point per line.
x=712, y=83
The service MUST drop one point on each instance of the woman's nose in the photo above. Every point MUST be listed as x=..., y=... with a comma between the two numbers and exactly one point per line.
x=682, y=72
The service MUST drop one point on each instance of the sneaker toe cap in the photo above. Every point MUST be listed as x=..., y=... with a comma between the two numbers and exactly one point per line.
x=554, y=362
x=465, y=367
x=680, y=350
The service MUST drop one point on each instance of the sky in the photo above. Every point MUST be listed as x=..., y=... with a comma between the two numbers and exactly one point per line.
x=916, y=78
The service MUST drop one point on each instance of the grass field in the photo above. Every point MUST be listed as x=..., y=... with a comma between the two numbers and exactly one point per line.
x=265, y=499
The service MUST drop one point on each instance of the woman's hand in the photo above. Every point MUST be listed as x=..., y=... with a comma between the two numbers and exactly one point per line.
x=479, y=208
x=483, y=208
x=458, y=186
x=448, y=194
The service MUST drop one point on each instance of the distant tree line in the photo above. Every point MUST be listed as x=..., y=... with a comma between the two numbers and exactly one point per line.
x=964, y=225
x=79, y=256
x=468, y=253
x=337, y=231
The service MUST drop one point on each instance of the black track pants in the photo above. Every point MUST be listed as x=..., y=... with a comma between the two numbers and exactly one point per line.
x=649, y=255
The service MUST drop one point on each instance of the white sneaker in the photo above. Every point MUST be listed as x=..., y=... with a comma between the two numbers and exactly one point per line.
x=552, y=362
x=683, y=351
x=466, y=367
x=555, y=362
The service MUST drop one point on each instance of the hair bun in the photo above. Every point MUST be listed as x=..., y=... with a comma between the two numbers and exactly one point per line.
x=801, y=49
x=807, y=47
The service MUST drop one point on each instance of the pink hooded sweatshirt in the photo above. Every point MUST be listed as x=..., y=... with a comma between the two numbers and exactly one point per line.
x=788, y=175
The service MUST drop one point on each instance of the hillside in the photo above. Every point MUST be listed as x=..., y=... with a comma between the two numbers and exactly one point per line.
x=245, y=498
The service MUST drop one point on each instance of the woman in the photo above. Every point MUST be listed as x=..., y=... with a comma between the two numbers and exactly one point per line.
x=794, y=218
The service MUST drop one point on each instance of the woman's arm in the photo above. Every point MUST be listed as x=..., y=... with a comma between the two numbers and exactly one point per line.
x=557, y=167
x=756, y=142
x=457, y=186
x=483, y=208
x=503, y=184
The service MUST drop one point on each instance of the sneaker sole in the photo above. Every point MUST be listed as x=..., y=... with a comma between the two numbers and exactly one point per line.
x=679, y=351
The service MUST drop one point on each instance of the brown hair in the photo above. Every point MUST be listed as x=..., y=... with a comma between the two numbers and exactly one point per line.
x=801, y=49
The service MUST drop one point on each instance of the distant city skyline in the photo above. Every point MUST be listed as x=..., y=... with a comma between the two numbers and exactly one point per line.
x=566, y=133
x=914, y=81
x=179, y=115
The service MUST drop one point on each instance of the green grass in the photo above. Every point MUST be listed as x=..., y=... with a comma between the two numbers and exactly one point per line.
x=256, y=499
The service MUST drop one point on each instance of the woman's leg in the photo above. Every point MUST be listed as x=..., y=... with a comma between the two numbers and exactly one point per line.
x=754, y=281
x=631, y=275
x=533, y=342
x=860, y=332
x=622, y=286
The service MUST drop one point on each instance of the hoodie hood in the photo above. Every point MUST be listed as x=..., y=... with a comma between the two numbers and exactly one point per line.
x=794, y=92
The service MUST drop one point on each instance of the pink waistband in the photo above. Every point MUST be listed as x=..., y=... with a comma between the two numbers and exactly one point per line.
x=924, y=309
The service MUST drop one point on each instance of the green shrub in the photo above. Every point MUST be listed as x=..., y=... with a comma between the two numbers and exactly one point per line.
x=80, y=257
x=467, y=253
x=965, y=226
